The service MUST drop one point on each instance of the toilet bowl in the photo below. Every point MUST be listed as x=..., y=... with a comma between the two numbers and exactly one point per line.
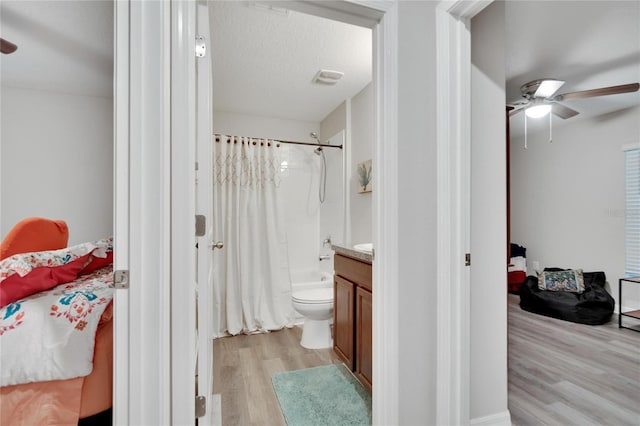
x=316, y=305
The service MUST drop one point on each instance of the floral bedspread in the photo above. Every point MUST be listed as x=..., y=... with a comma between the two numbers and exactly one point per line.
x=51, y=335
x=24, y=263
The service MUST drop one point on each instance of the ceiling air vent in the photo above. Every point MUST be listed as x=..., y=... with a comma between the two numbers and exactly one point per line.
x=327, y=77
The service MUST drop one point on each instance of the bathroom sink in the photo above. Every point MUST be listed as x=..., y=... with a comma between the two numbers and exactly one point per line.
x=366, y=247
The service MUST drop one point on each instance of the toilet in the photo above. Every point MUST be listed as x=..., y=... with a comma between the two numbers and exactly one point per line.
x=316, y=305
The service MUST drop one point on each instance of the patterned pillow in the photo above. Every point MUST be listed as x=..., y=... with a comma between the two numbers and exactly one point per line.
x=570, y=280
x=23, y=264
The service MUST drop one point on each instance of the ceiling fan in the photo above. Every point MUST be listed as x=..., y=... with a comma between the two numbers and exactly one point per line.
x=539, y=97
x=7, y=47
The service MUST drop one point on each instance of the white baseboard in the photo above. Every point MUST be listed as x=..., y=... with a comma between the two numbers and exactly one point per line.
x=499, y=419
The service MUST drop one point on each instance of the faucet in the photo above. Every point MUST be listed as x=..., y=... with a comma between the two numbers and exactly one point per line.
x=324, y=257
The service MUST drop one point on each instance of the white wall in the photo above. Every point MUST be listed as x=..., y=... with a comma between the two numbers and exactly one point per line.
x=299, y=185
x=263, y=127
x=416, y=144
x=488, y=273
x=362, y=139
x=334, y=122
x=355, y=117
x=57, y=161
x=567, y=199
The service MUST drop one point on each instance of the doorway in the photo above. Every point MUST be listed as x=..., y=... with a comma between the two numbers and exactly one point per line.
x=241, y=116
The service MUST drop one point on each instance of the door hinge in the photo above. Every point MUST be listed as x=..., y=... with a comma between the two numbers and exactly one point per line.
x=467, y=259
x=201, y=225
x=201, y=47
x=201, y=406
x=121, y=279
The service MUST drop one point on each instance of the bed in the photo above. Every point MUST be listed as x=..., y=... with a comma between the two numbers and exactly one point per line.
x=56, y=328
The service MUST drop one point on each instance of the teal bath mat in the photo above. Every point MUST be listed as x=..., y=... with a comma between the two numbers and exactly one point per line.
x=327, y=395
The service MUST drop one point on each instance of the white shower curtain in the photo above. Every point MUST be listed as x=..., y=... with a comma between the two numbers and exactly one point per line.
x=251, y=284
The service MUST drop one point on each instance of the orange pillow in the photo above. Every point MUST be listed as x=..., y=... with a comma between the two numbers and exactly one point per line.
x=35, y=234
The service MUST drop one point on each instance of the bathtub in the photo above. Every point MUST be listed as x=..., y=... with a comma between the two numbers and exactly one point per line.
x=307, y=279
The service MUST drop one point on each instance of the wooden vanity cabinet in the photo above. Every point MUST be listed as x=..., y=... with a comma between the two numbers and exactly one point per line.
x=352, y=322
x=364, y=331
x=343, y=320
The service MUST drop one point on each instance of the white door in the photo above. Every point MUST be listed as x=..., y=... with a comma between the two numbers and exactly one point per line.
x=204, y=208
x=121, y=214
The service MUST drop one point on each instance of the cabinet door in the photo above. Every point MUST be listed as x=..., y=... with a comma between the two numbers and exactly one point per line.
x=343, y=320
x=364, y=328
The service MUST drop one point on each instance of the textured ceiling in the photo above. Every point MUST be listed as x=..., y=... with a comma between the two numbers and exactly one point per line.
x=588, y=44
x=62, y=45
x=264, y=61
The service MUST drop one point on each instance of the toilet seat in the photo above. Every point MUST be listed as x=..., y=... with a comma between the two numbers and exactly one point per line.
x=313, y=296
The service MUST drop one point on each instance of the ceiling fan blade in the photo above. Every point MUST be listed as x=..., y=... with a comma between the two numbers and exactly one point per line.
x=603, y=91
x=547, y=88
x=7, y=47
x=563, y=112
x=515, y=111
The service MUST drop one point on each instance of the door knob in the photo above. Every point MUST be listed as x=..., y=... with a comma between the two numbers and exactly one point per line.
x=216, y=245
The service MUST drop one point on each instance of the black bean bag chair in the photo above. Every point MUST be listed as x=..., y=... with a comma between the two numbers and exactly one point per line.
x=593, y=306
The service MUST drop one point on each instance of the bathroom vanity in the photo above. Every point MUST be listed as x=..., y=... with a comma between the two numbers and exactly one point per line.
x=352, y=321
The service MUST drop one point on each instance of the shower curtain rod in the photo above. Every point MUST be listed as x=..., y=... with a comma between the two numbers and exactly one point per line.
x=281, y=141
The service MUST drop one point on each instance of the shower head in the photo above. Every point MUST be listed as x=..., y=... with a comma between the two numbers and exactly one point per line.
x=318, y=150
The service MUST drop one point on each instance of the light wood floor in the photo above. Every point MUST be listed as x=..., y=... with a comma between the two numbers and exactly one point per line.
x=242, y=369
x=560, y=373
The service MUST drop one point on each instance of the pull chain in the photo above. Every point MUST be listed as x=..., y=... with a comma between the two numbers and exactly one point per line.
x=550, y=129
x=525, y=130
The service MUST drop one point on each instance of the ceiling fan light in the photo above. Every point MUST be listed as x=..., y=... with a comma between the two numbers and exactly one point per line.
x=538, y=111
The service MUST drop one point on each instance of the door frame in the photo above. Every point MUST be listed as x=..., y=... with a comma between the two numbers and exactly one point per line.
x=142, y=240
x=381, y=17
x=154, y=110
x=453, y=68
